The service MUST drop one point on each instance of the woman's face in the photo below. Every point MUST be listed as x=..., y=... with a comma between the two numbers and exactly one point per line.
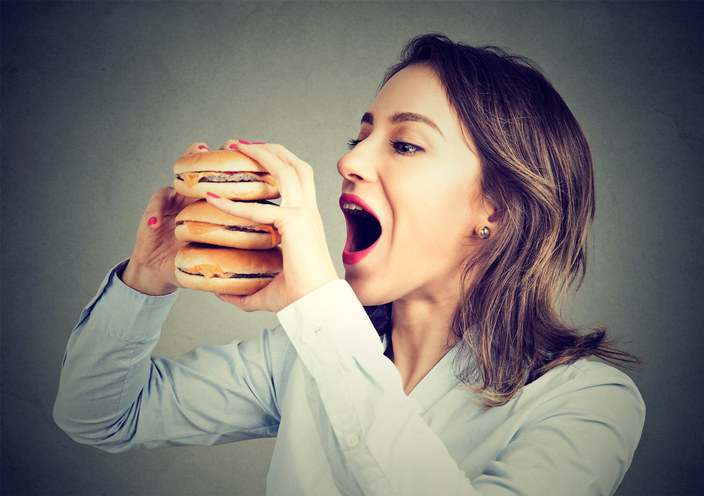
x=413, y=171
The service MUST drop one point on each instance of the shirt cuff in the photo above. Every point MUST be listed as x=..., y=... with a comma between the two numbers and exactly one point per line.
x=126, y=313
x=332, y=309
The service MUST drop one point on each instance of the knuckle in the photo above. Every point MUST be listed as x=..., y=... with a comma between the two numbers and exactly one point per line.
x=276, y=147
x=307, y=169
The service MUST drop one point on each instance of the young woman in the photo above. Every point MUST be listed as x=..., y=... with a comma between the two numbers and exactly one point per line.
x=468, y=196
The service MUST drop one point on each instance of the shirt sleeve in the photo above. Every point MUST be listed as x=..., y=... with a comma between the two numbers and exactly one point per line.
x=378, y=444
x=114, y=395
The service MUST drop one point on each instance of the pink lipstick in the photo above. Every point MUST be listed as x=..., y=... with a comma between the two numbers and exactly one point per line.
x=363, y=229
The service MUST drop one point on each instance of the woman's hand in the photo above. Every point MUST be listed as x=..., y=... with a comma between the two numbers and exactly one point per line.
x=307, y=264
x=150, y=269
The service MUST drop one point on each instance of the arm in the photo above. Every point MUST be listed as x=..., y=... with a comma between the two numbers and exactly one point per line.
x=576, y=439
x=114, y=395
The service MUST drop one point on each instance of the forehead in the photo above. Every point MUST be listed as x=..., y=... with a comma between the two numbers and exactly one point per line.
x=417, y=89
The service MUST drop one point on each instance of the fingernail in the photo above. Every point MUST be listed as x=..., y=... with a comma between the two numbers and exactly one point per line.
x=151, y=221
x=245, y=142
x=203, y=147
x=212, y=195
x=233, y=146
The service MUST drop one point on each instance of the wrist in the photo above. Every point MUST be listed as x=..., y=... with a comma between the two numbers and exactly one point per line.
x=145, y=280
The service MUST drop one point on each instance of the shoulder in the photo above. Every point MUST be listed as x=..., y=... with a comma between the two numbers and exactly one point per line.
x=587, y=374
x=589, y=390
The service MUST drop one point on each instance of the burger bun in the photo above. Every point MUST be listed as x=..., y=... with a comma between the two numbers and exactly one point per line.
x=226, y=270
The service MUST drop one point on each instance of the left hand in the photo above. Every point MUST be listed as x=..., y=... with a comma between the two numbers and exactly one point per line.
x=307, y=264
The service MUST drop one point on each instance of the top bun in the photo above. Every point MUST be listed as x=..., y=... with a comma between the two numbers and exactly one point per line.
x=218, y=161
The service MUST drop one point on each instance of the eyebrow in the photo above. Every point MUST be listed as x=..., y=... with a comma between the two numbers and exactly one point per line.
x=404, y=117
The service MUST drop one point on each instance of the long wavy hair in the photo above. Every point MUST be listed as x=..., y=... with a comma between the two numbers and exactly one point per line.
x=536, y=168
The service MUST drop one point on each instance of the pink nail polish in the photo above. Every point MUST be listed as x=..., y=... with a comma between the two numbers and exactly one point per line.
x=233, y=146
x=151, y=221
x=245, y=142
x=203, y=147
x=212, y=195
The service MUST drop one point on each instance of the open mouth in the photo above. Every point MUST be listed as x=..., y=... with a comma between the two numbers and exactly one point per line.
x=363, y=229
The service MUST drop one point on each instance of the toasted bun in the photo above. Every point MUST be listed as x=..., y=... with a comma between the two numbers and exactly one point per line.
x=223, y=161
x=230, y=260
x=217, y=160
x=215, y=232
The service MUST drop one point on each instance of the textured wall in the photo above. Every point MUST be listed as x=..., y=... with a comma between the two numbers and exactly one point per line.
x=100, y=98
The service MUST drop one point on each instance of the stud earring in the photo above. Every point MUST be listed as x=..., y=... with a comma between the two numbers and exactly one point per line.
x=484, y=232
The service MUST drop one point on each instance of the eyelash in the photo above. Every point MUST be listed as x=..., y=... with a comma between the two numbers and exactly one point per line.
x=397, y=146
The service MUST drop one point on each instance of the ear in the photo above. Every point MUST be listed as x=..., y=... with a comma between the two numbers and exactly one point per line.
x=489, y=217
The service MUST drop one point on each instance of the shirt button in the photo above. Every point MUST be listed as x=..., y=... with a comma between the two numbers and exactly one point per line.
x=352, y=440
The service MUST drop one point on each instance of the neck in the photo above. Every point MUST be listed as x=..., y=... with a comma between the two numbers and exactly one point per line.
x=420, y=336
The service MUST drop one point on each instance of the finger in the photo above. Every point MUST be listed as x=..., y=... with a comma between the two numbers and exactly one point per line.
x=287, y=179
x=178, y=201
x=198, y=147
x=261, y=213
x=164, y=202
x=154, y=213
x=303, y=170
x=229, y=145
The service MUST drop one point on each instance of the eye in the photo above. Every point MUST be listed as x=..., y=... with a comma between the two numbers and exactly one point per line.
x=405, y=148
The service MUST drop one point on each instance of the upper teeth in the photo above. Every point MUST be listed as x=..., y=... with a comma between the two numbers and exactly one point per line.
x=351, y=206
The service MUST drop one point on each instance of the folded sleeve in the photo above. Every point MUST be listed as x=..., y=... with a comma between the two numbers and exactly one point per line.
x=377, y=442
x=114, y=395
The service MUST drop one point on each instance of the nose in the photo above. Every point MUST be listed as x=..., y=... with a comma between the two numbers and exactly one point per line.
x=358, y=164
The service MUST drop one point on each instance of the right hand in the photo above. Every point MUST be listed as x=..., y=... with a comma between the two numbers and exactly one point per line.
x=150, y=269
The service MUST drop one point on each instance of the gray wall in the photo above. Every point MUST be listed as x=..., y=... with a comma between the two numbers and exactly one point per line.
x=100, y=98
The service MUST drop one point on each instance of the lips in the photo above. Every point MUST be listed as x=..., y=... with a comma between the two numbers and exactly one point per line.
x=363, y=229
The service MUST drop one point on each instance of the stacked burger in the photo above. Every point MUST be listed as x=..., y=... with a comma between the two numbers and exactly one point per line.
x=224, y=254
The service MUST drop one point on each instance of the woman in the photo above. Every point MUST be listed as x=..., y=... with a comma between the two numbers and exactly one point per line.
x=477, y=186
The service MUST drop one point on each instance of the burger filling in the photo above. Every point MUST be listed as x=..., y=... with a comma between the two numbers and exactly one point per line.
x=212, y=270
x=193, y=178
x=363, y=229
x=198, y=227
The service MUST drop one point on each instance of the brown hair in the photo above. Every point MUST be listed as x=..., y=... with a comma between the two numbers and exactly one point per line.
x=536, y=168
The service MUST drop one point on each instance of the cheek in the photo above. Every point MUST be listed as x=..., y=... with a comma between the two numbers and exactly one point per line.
x=439, y=215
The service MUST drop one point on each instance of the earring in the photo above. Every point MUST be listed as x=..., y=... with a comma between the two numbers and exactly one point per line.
x=484, y=232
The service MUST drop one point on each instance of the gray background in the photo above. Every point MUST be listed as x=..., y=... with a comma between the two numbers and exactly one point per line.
x=100, y=98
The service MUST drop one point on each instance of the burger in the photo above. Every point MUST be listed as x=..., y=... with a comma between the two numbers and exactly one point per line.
x=200, y=222
x=227, y=173
x=226, y=270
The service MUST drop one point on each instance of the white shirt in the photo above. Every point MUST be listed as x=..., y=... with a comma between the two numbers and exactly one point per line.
x=321, y=384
